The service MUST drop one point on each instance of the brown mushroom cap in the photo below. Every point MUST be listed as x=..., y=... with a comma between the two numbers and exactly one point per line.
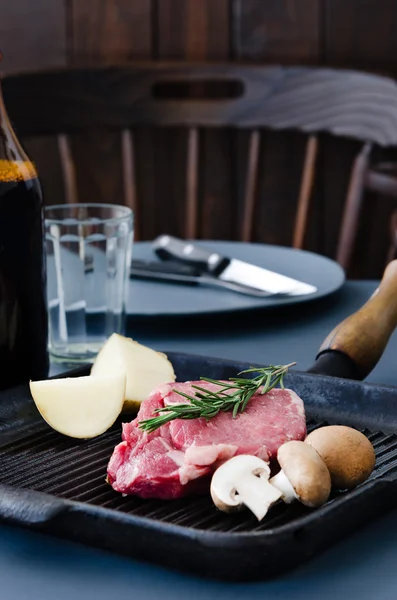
x=306, y=472
x=348, y=454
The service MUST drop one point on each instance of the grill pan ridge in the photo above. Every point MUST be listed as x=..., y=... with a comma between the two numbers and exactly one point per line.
x=57, y=485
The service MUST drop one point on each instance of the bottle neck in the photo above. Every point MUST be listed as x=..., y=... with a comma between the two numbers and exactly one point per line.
x=5, y=125
x=10, y=149
x=3, y=112
x=2, y=106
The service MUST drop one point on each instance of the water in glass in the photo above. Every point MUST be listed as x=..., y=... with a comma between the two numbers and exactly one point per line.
x=88, y=261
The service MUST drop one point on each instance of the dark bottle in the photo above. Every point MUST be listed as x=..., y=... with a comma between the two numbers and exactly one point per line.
x=23, y=311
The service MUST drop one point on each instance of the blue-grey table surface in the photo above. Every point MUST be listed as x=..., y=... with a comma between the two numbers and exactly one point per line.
x=362, y=566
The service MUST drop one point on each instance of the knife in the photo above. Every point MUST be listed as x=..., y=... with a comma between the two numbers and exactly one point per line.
x=173, y=272
x=230, y=270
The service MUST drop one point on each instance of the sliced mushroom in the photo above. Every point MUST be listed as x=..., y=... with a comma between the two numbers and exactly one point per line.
x=348, y=454
x=304, y=475
x=244, y=481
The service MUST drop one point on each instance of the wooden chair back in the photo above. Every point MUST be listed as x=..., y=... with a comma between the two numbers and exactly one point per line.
x=312, y=100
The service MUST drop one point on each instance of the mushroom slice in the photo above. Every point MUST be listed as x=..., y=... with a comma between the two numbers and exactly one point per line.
x=304, y=475
x=348, y=454
x=244, y=481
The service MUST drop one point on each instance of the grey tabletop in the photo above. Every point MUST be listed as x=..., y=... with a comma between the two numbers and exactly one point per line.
x=362, y=566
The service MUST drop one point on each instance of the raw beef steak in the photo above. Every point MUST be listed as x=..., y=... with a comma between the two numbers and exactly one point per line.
x=177, y=458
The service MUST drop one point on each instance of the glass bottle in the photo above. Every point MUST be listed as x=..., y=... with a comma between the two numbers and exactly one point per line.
x=23, y=311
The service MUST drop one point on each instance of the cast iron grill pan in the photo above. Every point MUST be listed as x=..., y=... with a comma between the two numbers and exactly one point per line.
x=57, y=485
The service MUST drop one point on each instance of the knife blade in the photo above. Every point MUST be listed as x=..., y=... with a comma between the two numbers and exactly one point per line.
x=229, y=270
x=178, y=273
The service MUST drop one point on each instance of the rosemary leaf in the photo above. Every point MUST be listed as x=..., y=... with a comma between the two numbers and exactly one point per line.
x=207, y=404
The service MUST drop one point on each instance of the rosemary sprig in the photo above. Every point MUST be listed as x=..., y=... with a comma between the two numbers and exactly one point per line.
x=233, y=396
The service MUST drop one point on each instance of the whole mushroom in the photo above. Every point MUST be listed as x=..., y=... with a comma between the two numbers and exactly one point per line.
x=304, y=475
x=244, y=481
x=348, y=454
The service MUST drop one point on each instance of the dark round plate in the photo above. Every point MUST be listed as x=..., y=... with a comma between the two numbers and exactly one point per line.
x=149, y=298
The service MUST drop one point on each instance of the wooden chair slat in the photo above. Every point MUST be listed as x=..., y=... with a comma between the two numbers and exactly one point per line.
x=309, y=170
x=192, y=171
x=250, y=185
x=129, y=176
x=68, y=169
x=352, y=206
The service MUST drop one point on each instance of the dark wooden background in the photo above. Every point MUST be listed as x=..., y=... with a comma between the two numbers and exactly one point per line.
x=348, y=33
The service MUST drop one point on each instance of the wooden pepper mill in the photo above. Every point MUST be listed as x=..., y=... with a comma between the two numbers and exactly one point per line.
x=355, y=346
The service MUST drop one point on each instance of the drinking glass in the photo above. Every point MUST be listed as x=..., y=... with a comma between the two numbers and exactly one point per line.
x=88, y=248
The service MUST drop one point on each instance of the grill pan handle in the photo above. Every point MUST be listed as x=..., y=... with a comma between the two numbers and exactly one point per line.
x=355, y=346
x=25, y=507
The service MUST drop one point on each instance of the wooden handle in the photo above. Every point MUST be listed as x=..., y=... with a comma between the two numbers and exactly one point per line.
x=364, y=335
